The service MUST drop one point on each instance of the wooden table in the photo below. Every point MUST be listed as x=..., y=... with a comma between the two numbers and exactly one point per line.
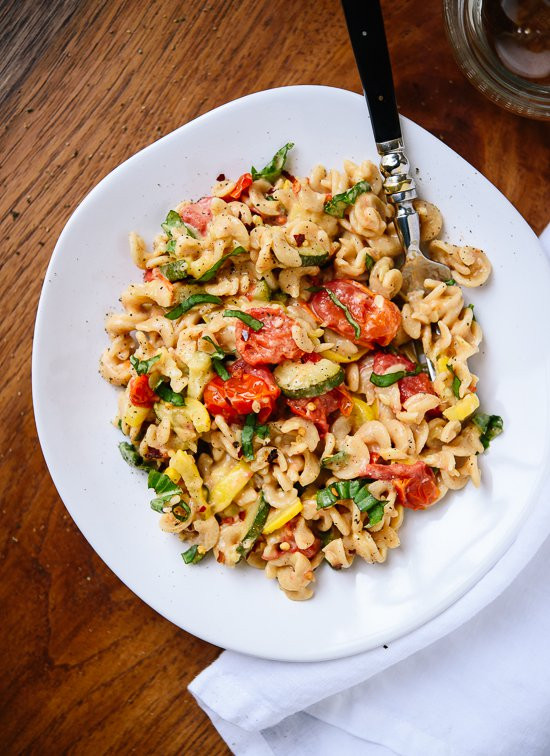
x=85, y=666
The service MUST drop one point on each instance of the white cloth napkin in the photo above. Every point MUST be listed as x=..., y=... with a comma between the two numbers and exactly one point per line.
x=475, y=680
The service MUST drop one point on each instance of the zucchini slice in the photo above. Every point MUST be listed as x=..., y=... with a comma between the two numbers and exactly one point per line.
x=253, y=525
x=308, y=260
x=299, y=380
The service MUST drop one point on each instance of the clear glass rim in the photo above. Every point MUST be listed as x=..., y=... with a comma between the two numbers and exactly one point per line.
x=482, y=67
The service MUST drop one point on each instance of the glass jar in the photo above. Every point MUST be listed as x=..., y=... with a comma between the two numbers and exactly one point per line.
x=503, y=47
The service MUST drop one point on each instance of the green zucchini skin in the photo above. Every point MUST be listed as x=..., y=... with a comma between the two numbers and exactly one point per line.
x=258, y=521
x=309, y=260
x=309, y=379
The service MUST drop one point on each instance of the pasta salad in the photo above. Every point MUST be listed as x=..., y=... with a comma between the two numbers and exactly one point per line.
x=271, y=387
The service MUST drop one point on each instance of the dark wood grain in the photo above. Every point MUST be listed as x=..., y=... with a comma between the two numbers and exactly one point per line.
x=85, y=667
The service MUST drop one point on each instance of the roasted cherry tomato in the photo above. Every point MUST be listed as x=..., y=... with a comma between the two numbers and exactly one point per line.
x=271, y=344
x=319, y=408
x=415, y=484
x=141, y=394
x=197, y=214
x=241, y=185
x=377, y=317
x=246, y=387
x=411, y=384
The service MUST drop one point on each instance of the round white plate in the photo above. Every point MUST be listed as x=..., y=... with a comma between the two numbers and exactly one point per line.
x=446, y=549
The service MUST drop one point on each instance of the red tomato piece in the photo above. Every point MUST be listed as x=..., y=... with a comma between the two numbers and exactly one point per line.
x=234, y=398
x=197, y=214
x=415, y=384
x=319, y=408
x=154, y=273
x=378, y=322
x=270, y=345
x=415, y=484
x=383, y=362
x=141, y=394
x=242, y=184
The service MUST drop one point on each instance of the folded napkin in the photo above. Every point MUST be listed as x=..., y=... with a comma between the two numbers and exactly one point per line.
x=474, y=680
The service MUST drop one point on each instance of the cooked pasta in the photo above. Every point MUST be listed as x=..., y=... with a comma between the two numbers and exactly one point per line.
x=271, y=387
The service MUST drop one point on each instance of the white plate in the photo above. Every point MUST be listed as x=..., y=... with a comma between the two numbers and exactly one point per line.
x=445, y=550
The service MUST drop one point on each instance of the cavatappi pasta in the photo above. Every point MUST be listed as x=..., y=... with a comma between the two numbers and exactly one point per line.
x=270, y=384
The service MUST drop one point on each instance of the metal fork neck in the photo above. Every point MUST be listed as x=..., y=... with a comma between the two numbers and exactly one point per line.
x=400, y=190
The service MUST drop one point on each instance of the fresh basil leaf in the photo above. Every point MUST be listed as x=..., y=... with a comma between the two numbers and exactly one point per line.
x=340, y=458
x=221, y=370
x=490, y=426
x=327, y=537
x=167, y=395
x=450, y=282
x=262, y=431
x=273, y=169
x=456, y=382
x=326, y=498
x=342, y=487
x=337, y=205
x=174, y=271
x=365, y=500
x=376, y=514
x=165, y=488
x=219, y=354
x=247, y=435
x=473, y=313
x=173, y=220
x=247, y=319
x=132, y=457
x=142, y=367
x=211, y=272
x=357, y=490
x=369, y=263
x=184, y=507
x=189, y=303
x=382, y=381
x=192, y=555
x=353, y=323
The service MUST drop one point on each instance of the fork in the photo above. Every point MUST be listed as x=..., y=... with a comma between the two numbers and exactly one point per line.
x=368, y=40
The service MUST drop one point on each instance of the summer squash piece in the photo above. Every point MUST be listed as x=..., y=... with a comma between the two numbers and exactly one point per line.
x=274, y=168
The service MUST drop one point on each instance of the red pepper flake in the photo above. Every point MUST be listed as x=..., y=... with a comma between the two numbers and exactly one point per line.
x=288, y=176
x=280, y=220
x=202, y=509
x=221, y=177
x=220, y=558
x=328, y=197
x=299, y=239
x=242, y=515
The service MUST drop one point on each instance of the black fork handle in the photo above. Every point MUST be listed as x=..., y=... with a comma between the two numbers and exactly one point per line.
x=368, y=39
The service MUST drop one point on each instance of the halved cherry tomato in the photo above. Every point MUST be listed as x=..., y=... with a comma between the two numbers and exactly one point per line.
x=270, y=345
x=234, y=398
x=197, y=214
x=141, y=394
x=241, y=185
x=415, y=484
x=377, y=317
x=411, y=384
x=319, y=408
x=154, y=273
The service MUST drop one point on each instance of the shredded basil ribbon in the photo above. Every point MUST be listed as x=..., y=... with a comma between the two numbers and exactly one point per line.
x=247, y=319
x=250, y=428
x=192, y=555
x=369, y=262
x=189, y=303
x=273, y=169
x=490, y=426
x=132, y=457
x=390, y=378
x=173, y=220
x=174, y=271
x=358, y=491
x=217, y=358
x=142, y=367
x=339, y=458
x=163, y=390
x=337, y=205
x=450, y=282
x=456, y=382
x=165, y=488
x=353, y=323
x=211, y=272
